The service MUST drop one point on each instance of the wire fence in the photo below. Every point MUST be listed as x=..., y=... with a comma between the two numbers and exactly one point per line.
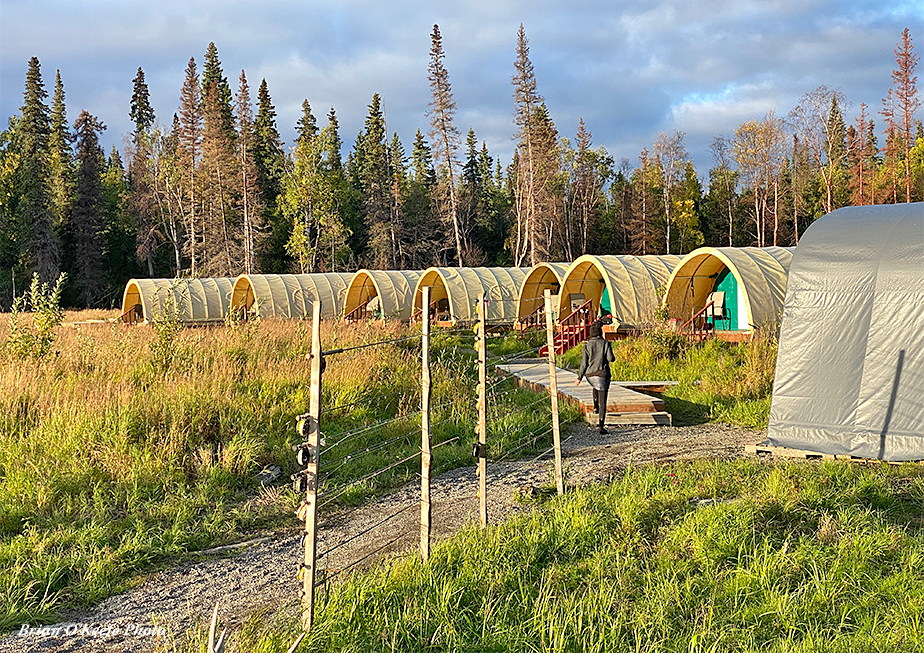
x=347, y=465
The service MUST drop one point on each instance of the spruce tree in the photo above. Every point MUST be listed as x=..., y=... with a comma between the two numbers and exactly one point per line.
x=188, y=131
x=120, y=231
x=270, y=161
x=221, y=225
x=904, y=83
x=214, y=81
x=422, y=161
x=376, y=187
x=84, y=232
x=548, y=242
x=307, y=125
x=333, y=141
x=424, y=232
x=141, y=202
x=35, y=214
x=397, y=165
x=471, y=192
x=526, y=99
x=445, y=138
x=141, y=112
x=250, y=200
x=60, y=155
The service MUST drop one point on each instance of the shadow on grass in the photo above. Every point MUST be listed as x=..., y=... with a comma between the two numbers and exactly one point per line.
x=686, y=413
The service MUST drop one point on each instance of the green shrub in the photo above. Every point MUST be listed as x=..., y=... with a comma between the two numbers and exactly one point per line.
x=35, y=339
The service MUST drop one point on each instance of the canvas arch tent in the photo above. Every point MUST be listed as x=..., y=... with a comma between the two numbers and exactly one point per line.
x=190, y=301
x=542, y=277
x=626, y=286
x=455, y=292
x=850, y=367
x=386, y=294
x=751, y=280
x=290, y=296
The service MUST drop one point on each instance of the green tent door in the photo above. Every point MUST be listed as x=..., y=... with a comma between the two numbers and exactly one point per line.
x=728, y=284
x=606, y=306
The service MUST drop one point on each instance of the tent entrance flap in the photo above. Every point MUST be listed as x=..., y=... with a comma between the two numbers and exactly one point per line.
x=728, y=283
x=606, y=305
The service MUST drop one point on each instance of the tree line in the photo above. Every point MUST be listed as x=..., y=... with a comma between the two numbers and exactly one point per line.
x=216, y=193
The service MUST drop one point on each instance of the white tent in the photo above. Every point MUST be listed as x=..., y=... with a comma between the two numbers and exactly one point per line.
x=455, y=292
x=391, y=290
x=542, y=277
x=631, y=284
x=752, y=280
x=290, y=296
x=850, y=368
x=190, y=301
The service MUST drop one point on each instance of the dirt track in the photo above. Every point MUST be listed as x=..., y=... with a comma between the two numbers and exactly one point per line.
x=263, y=575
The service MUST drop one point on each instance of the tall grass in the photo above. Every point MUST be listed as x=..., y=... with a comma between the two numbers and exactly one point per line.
x=112, y=461
x=702, y=556
x=717, y=381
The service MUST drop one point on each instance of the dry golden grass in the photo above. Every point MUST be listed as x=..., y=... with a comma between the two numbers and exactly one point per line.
x=108, y=460
x=127, y=445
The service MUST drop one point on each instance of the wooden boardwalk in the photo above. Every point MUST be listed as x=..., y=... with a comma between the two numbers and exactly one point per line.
x=623, y=406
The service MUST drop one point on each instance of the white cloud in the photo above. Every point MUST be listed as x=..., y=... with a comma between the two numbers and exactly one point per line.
x=630, y=69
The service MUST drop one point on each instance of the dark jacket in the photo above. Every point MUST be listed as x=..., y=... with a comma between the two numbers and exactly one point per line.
x=596, y=359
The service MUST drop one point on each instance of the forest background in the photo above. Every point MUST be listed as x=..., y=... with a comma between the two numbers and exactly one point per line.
x=213, y=191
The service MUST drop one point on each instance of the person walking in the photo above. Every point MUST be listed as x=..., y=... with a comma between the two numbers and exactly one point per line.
x=595, y=367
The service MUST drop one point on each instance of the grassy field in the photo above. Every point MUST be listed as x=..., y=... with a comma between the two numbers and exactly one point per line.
x=708, y=556
x=128, y=447
x=718, y=381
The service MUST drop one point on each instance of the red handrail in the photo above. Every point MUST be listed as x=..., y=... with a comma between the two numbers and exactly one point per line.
x=419, y=313
x=352, y=315
x=572, y=329
x=567, y=319
x=534, y=319
x=701, y=311
x=133, y=310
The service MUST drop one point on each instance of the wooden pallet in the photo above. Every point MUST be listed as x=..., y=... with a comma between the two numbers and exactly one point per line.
x=786, y=452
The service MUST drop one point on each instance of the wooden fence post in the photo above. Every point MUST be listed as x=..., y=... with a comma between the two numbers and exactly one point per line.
x=553, y=382
x=313, y=441
x=425, y=455
x=482, y=410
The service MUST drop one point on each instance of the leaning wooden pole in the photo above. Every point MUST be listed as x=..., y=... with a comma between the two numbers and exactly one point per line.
x=553, y=387
x=311, y=428
x=482, y=411
x=425, y=453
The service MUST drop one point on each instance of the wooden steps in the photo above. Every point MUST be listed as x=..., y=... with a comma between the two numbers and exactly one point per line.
x=623, y=406
x=660, y=418
x=648, y=386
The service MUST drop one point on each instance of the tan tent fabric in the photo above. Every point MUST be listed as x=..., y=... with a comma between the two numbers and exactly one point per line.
x=291, y=296
x=850, y=368
x=394, y=288
x=532, y=293
x=761, y=273
x=458, y=289
x=195, y=300
x=633, y=283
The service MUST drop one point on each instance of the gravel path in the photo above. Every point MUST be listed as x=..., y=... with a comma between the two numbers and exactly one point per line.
x=263, y=574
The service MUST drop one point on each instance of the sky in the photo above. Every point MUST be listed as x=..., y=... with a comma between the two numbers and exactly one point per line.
x=630, y=68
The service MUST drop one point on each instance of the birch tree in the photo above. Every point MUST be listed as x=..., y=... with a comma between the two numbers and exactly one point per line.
x=669, y=154
x=811, y=120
